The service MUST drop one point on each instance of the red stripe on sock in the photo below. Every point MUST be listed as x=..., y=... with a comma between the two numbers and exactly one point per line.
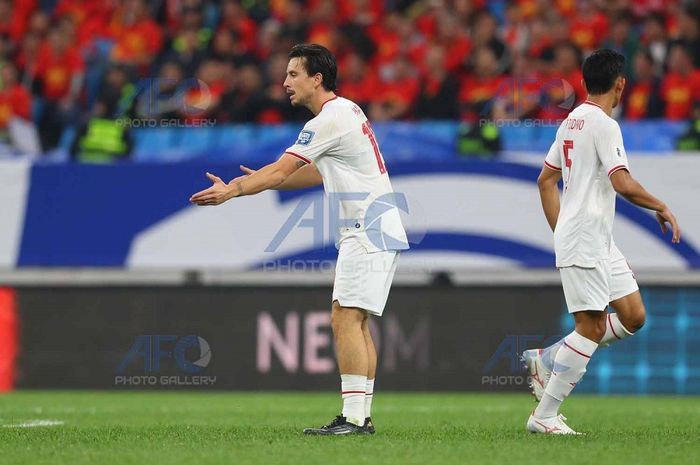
x=577, y=351
x=352, y=392
x=611, y=326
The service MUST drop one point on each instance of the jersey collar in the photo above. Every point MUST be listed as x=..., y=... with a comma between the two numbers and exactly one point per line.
x=324, y=103
x=593, y=103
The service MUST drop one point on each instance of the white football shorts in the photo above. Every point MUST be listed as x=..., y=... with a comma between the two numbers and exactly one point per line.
x=594, y=288
x=363, y=279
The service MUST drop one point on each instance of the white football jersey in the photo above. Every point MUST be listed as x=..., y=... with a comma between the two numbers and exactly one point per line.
x=341, y=143
x=587, y=150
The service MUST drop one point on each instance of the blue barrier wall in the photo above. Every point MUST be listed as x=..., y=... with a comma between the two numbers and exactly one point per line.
x=664, y=357
x=400, y=141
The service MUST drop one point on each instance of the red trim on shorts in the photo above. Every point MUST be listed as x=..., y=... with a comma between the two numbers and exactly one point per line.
x=300, y=157
x=352, y=392
x=611, y=326
x=576, y=350
x=549, y=165
x=332, y=98
x=617, y=168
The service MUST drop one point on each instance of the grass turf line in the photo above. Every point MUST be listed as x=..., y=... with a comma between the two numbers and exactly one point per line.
x=265, y=428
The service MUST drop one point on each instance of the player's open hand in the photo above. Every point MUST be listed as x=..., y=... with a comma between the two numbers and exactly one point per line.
x=217, y=194
x=665, y=216
x=247, y=172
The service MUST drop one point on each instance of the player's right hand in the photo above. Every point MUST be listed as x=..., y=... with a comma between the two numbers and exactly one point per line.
x=665, y=216
x=247, y=172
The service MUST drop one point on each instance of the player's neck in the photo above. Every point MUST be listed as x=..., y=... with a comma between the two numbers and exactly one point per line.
x=604, y=101
x=319, y=100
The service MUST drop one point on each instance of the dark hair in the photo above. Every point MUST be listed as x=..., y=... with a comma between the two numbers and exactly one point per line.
x=317, y=59
x=601, y=69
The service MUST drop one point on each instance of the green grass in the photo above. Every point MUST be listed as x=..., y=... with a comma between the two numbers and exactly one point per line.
x=252, y=428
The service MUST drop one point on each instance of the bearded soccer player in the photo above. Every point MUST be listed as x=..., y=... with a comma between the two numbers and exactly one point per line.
x=589, y=154
x=337, y=148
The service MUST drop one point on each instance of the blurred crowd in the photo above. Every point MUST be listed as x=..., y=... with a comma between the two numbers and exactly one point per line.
x=65, y=63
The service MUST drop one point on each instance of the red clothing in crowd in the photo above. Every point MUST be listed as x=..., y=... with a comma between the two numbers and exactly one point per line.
x=587, y=33
x=401, y=91
x=15, y=26
x=475, y=91
x=57, y=70
x=15, y=101
x=638, y=100
x=363, y=91
x=679, y=93
x=135, y=41
x=90, y=17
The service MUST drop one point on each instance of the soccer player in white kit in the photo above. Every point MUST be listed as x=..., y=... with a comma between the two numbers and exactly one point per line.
x=338, y=148
x=589, y=155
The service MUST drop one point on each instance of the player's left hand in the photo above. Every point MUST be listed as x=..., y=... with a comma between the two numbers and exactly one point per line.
x=665, y=216
x=217, y=194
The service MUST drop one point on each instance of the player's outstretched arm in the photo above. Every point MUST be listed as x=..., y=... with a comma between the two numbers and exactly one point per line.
x=306, y=176
x=549, y=194
x=628, y=187
x=267, y=177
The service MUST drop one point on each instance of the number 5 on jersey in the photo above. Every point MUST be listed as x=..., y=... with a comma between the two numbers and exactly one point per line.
x=568, y=145
x=367, y=130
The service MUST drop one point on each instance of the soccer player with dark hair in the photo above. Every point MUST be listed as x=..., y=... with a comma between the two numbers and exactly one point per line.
x=337, y=148
x=589, y=154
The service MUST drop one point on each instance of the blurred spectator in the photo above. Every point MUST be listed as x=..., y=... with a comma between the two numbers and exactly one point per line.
x=235, y=19
x=641, y=98
x=116, y=96
x=15, y=99
x=60, y=73
x=187, y=50
x=623, y=39
x=654, y=38
x=518, y=97
x=588, y=27
x=397, y=91
x=294, y=25
x=437, y=98
x=681, y=86
x=480, y=86
x=563, y=87
x=689, y=31
x=484, y=32
x=202, y=96
x=14, y=16
x=276, y=107
x=245, y=100
x=138, y=38
x=160, y=99
x=358, y=81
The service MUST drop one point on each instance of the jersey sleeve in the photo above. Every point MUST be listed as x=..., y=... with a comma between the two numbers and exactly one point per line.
x=610, y=149
x=318, y=137
x=553, y=158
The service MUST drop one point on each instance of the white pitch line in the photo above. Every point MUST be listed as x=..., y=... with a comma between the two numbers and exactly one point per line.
x=34, y=424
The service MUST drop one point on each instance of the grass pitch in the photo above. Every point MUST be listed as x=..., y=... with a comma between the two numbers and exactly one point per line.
x=251, y=428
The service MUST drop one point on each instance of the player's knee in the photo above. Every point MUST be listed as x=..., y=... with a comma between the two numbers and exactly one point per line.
x=598, y=330
x=635, y=320
x=344, y=317
x=591, y=325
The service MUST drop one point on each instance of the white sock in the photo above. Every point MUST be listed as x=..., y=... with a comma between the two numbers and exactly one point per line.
x=569, y=367
x=614, y=331
x=549, y=354
x=368, y=398
x=353, y=388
